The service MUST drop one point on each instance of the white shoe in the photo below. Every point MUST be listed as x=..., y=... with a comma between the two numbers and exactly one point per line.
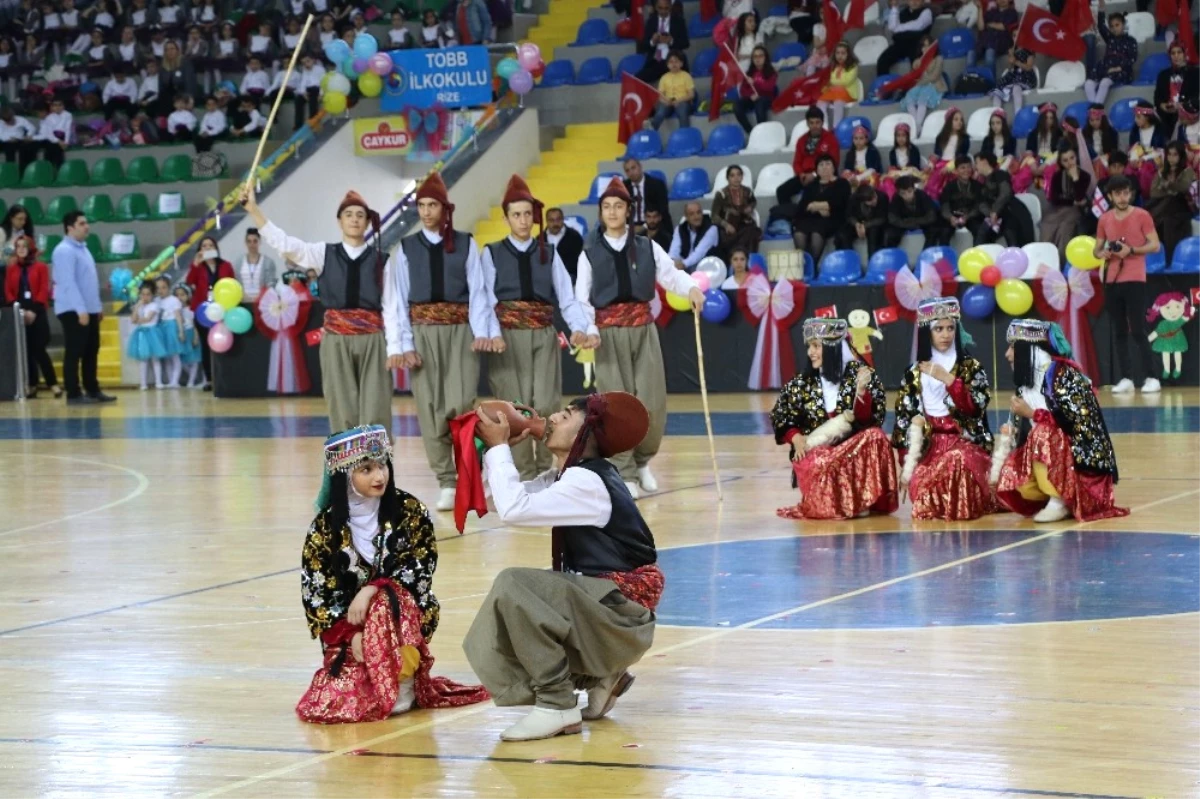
x=1055, y=511
x=445, y=499
x=633, y=489
x=1124, y=387
x=545, y=722
x=646, y=480
x=1151, y=386
x=602, y=698
x=405, y=699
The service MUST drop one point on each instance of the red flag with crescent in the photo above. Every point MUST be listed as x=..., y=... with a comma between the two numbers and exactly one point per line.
x=831, y=18
x=1042, y=32
x=638, y=16
x=1076, y=17
x=726, y=75
x=637, y=104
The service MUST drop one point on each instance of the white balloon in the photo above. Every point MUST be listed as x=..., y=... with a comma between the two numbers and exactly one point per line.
x=214, y=312
x=714, y=267
x=338, y=83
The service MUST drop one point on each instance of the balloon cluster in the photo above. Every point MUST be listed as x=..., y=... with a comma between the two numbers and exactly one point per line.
x=997, y=282
x=223, y=315
x=362, y=63
x=708, y=277
x=520, y=73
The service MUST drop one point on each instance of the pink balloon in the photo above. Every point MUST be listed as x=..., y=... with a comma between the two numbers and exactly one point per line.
x=380, y=64
x=1012, y=263
x=528, y=56
x=220, y=338
x=701, y=281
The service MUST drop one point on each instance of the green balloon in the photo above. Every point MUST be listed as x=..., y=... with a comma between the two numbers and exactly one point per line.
x=507, y=68
x=238, y=320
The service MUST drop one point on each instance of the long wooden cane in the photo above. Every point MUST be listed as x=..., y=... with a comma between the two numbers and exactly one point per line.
x=262, y=141
x=712, y=444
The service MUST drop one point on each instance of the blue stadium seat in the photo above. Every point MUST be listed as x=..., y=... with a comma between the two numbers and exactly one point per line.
x=1157, y=261
x=644, y=144
x=560, y=72
x=1079, y=110
x=699, y=29
x=578, y=222
x=872, y=97
x=684, y=142
x=790, y=50
x=1187, y=255
x=1025, y=121
x=931, y=255
x=598, y=184
x=631, y=63
x=690, y=184
x=956, y=43
x=725, y=140
x=890, y=259
x=1121, y=114
x=845, y=130
x=780, y=10
x=594, y=70
x=592, y=31
x=1148, y=71
x=658, y=173
x=839, y=268
x=702, y=64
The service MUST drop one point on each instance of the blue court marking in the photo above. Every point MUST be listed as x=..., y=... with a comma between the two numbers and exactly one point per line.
x=1073, y=577
x=1120, y=420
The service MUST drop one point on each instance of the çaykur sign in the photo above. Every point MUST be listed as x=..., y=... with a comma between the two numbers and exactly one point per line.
x=456, y=77
x=382, y=136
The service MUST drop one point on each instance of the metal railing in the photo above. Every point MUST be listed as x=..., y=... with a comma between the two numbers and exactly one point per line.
x=22, y=352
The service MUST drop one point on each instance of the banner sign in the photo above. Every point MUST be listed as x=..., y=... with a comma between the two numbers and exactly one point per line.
x=456, y=77
x=382, y=136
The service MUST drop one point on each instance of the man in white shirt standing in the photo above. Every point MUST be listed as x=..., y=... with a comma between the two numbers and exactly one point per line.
x=257, y=272
x=694, y=239
x=16, y=137
x=56, y=133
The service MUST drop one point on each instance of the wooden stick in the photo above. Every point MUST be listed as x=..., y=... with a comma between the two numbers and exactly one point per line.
x=262, y=141
x=712, y=444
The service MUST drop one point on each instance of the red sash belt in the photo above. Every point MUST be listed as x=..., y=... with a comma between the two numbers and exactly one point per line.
x=439, y=313
x=524, y=314
x=644, y=585
x=624, y=314
x=352, y=322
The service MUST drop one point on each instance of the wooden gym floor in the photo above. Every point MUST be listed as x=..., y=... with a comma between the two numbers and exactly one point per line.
x=152, y=642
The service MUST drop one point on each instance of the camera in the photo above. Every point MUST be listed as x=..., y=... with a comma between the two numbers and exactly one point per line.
x=1114, y=246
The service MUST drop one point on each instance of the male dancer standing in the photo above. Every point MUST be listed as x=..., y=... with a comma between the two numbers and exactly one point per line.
x=526, y=280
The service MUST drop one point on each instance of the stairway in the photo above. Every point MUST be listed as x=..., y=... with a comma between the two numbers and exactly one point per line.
x=108, y=363
x=558, y=26
x=564, y=174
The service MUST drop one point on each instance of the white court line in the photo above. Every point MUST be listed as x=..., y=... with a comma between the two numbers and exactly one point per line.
x=143, y=484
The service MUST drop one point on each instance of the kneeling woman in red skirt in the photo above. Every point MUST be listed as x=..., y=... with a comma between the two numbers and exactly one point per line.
x=367, y=587
x=941, y=429
x=1064, y=464
x=832, y=415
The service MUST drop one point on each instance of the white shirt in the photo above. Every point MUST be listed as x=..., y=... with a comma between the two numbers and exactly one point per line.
x=933, y=391
x=149, y=88
x=950, y=151
x=257, y=122
x=147, y=315
x=831, y=390
x=730, y=284
x=60, y=123
x=564, y=292
x=98, y=52
x=138, y=17
x=311, y=78
x=1146, y=136
x=169, y=307
x=700, y=248
x=213, y=123
x=481, y=315
x=183, y=118
x=51, y=22
x=311, y=255
x=128, y=51
x=125, y=89
x=1192, y=132
x=226, y=48
x=577, y=499
x=168, y=15
x=860, y=159
x=259, y=44
x=248, y=276
x=901, y=158
x=255, y=81
x=670, y=278
x=81, y=45
x=398, y=36
x=70, y=19
x=293, y=81
x=188, y=316
x=555, y=238
x=104, y=20
x=290, y=40
x=20, y=128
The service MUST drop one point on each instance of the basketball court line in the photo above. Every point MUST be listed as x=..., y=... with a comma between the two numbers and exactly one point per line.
x=143, y=484
x=655, y=656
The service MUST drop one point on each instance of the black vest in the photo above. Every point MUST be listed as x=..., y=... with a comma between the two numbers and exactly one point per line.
x=685, y=237
x=622, y=545
x=435, y=275
x=614, y=279
x=523, y=275
x=569, y=248
x=347, y=284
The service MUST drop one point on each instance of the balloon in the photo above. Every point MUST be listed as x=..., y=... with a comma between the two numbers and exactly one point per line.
x=716, y=306
x=370, y=84
x=338, y=83
x=337, y=51
x=347, y=68
x=1014, y=297
x=714, y=267
x=521, y=82
x=539, y=70
x=701, y=280
x=213, y=313
x=1012, y=262
x=238, y=320
x=507, y=68
x=1079, y=253
x=678, y=302
x=360, y=65
x=381, y=64
x=625, y=30
x=758, y=263
x=334, y=102
x=365, y=46
x=325, y=80
x=990, y=276
x=979, y=302
x=971, y=263
x=528, y=55
x=202, y=314
x=219, y=338
x=227, y=293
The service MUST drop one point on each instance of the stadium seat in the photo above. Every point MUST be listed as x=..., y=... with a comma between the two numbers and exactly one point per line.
x=592, y=31
x=593, y=71
x=684, y=142
x=598, y=185
x=956, y=43
x=1156, y=261
x=789, y=50
x=94, y=246
x=143, y=169
x=1041, y=253
x=578, y=223
x=109, y=172
x=868, y=49
x=689, y=184
x=978, y=122
x=840, y=268
x=33, y=206
x=872, y=96
x=1034, y=205
x=766, y=137
x=98, y=208
x=1140, y=25
x=702, y=64
x=644, y=144
x=931, y=255
x=722, y=180
x=780, y=10
x=725, y=140
x=176, y=168
x=559, y=72
x=10, y=175
x=886, y=135
x=932, y=127
x=1064, y=76
x=771, y=178
x=1120, y=114
x=169, y=205
x=889, y=259
x=660, y=175
x=1078, y=109
x=73, y=172
x=38, y=175
x=58, y=208
x=46, y=242
x=845, y=130
x=1186, y=257
x=122, y=246
x=135, y=206
x=699, y=29
x=631, y=64
x=1151, y=66
x=799, y=131
x=1024, y=122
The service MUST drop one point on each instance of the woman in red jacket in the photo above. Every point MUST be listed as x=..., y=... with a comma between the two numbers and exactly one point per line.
x=207, y=268
x=27, y=281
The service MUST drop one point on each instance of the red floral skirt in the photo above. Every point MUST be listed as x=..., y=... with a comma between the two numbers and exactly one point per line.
x=951, y=480
x=844, y=480
x=1089, y=496
x=345, y=691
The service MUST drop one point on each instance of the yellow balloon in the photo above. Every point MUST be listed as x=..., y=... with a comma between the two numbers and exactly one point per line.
x=1014, y=296
x=370, y=84
x=1079, y=253
x=227, y=293
x=971, y=263
x=334, y=102
x=678, y=302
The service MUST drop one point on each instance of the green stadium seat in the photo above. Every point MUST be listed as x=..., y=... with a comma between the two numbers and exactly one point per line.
x=46, y=244
x=58, y=208
x=122, y=246
x=94, y=246
x=176, y=168
x=73, y=173
x=34, y=206
x=10, y=175
x=133, y=206
x=108, y=172
x=3, y=207
x=98, y=208
x=143, y=169
x=170, y=205
x=38, y=175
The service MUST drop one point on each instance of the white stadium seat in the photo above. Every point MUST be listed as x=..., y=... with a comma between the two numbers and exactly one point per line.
x=766, y=137
x=1034, y=205
x=721, y=181
x=1064, y=76
x=868, y=49
x=771, y=178
x=1140, y=25
x=978, y=123
x=799, y=130
x=932, y=127
x=1039, y=253
x=886, y=136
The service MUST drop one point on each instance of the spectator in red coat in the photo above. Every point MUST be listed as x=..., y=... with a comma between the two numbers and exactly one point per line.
x=207, y=268
x=809, y=148
x=27, y=282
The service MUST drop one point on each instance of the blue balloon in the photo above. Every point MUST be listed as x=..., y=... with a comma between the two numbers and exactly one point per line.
x=758, y=262
x=979, y=302
x=365, y=45
x=716, y=306
x=201, y=317
x=337, y=51
x=347, y=69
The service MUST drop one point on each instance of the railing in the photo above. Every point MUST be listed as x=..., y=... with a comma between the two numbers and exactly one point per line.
x=22, y=361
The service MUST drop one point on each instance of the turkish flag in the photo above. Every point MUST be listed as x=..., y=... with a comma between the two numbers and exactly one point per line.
x=1041, y=32
x=708, y=9
x=801, y=91
x=1076, y=17
x=313, y=337
x=831, y=18
x=1196, y=296
x=638, y=18
x=856, y=15
x=886, y=315
x=637, y=104
x=828, y=312
x=1178, y=11
x=726, y=75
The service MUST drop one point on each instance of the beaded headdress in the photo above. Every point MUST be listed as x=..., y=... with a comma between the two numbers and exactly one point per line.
x=1035, y=331
x=929, y=311
x=830, y=331
x=345, y=451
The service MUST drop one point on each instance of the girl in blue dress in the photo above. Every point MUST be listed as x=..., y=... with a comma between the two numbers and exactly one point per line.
x=145, y=343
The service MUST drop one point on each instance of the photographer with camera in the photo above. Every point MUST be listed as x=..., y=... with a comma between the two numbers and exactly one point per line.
x=1124, y=236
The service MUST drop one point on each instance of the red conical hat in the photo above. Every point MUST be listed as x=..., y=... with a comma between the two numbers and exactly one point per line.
x=432, y=188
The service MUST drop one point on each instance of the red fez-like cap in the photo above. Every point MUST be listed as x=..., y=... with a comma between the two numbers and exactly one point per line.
x=432, y=188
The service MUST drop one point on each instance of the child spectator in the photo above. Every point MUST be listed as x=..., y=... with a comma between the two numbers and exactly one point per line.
x=677, y=91
x=120, y=93
x=212, y=125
